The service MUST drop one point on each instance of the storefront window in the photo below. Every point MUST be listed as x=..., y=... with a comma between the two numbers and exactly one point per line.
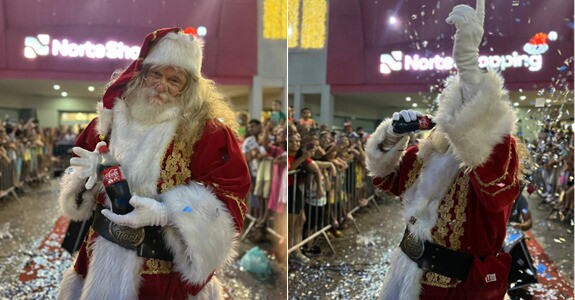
x=76, y=120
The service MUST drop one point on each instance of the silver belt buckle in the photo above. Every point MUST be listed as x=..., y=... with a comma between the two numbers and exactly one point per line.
x=126, y=236
x=412, y=246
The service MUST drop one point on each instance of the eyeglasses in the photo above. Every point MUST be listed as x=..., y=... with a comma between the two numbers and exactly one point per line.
x=173, y=84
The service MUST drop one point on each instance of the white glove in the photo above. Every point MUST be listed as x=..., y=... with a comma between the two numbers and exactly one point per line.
x=469, y=25
x=408, y=115
x=147, y=212
x=89, y=162
x=392, y=138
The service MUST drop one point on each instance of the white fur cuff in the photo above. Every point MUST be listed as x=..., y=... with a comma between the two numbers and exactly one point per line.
x=70, y=187
x=202, y=237
x=378, y=163
x=473, y=128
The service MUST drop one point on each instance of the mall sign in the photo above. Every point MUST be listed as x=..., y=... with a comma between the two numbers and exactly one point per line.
x=398, y=61
x=44, y=45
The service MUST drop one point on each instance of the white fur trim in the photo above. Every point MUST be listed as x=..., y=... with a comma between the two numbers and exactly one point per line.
x=105, y=117
x=71, y=286
x=378, y=163
x=70, y=187
x=202, y=239
x=212, y=291
x=177, y=49
x=421, y=201
x=139, y=149
x=114, y=272
x=402, y=280
x=473, y=128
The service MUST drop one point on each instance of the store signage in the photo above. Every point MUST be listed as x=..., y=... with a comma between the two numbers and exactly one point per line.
x=398, y=61
x=44, y=45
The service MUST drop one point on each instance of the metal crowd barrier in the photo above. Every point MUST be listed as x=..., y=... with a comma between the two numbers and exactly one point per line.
x=31, y=165
x=257, y=208
x=349, y=190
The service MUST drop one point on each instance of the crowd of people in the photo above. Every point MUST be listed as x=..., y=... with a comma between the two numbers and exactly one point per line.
x=265, y=150
x=326, y=181
x=552, y=173
x=26, y=150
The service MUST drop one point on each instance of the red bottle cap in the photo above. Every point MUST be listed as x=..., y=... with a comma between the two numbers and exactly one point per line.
x=103, y=148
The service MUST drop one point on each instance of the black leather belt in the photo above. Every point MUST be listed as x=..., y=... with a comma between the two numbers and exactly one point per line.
x=436, y=258
x=146, y=241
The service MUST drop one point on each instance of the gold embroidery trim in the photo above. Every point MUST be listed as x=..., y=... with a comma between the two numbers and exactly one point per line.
x=157, y=266
x=239, y=203
x=413, y=173
x=89, y=242
x=434, y=279
x=444, y=216
x=437, y=280
x=460, y=217
x=514, y=183
x=497, y=180
x=177, y=169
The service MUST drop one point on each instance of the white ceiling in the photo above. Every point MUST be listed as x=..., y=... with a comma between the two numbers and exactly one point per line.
x=79, y=89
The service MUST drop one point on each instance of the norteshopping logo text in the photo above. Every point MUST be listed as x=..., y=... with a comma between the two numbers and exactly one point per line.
x=398, y=61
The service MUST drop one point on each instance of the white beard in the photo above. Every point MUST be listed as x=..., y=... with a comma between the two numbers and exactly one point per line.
x=146, y=108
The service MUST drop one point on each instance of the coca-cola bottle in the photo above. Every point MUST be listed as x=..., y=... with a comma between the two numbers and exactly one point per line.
x=422, y=123
x=114, y=182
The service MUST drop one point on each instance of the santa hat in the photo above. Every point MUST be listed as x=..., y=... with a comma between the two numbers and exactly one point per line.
x=164, y=47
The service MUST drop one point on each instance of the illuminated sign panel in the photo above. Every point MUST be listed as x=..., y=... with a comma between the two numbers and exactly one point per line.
x=44, y=45
x=396, y=61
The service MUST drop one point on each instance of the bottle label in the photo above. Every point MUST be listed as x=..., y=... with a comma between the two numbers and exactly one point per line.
x=423, y=122
x=112, y=175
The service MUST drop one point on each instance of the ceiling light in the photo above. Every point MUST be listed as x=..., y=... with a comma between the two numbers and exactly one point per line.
x=392, y=20
x=202, y=31
x=414, y=104
x=522, y=98
x=552, y=35
x=64, y=94
x=91, y=88
x=407, y=99
x=516, y=104
x=56, y=87
x=548, y=101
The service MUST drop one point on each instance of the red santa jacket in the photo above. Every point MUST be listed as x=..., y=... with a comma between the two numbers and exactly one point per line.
x=214, y=165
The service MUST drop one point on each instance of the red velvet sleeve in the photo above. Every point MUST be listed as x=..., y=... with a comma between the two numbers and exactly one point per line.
x=218, y=162
x=495, y=182
x=400, y=180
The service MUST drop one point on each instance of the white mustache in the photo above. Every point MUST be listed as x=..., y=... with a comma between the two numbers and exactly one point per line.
x=151, y=92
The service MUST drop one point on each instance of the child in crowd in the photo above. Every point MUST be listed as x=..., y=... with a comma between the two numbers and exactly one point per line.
x=306, y=119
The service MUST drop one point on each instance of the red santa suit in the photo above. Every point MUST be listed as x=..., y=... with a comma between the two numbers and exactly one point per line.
x=201, y=177
x=457, y=188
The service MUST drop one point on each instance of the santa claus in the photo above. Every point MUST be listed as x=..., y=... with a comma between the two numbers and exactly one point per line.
x=174, y=137
x=457, y=186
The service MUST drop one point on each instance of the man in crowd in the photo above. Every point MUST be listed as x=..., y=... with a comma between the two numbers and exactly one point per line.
x=457, y=186
x=174, y=136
